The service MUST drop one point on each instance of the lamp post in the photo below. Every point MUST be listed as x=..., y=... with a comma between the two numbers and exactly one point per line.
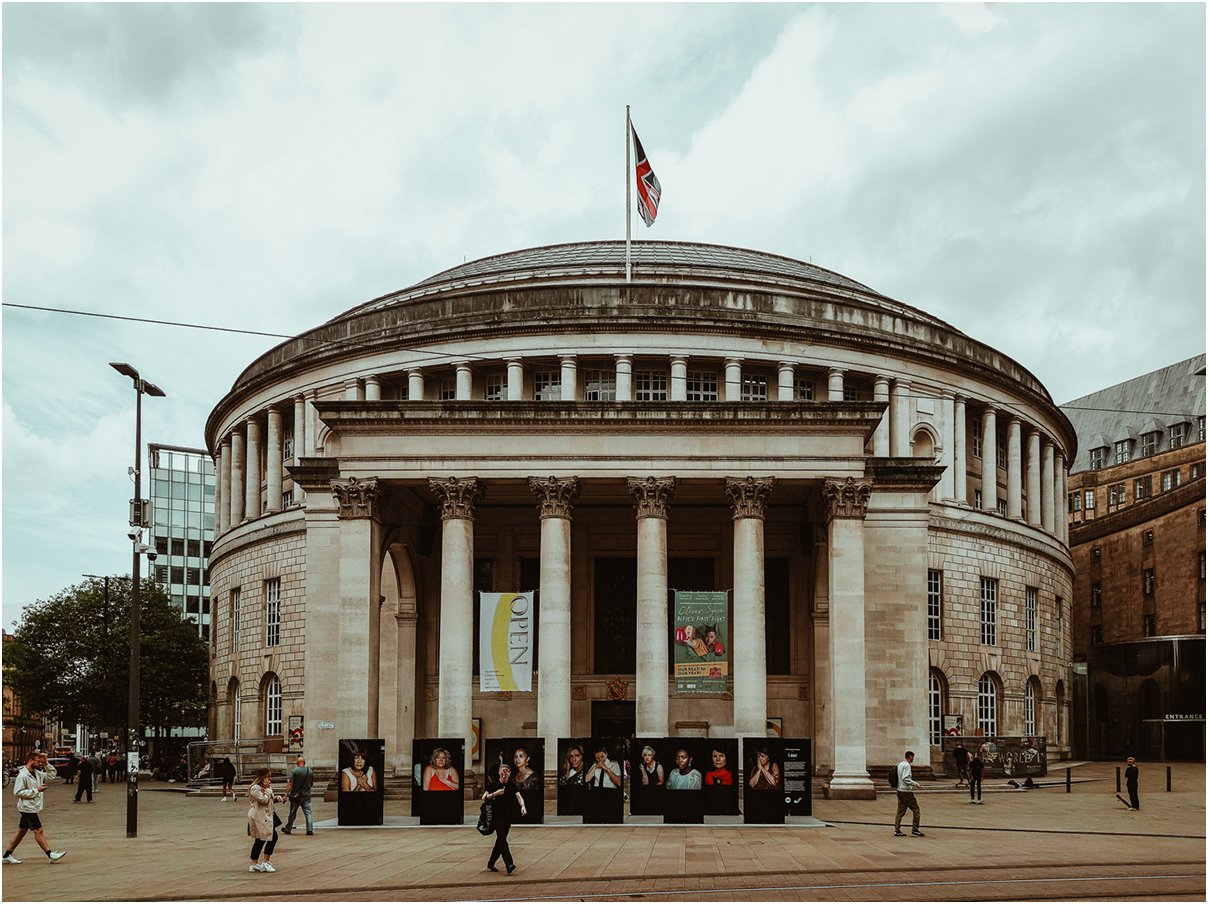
x=136, y=537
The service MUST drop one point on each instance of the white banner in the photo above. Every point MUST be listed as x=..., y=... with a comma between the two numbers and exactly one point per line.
x=506, y=641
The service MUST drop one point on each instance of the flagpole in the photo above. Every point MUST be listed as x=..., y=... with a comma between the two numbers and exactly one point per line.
x=627, y=193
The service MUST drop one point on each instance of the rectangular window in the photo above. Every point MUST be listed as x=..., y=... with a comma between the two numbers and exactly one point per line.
x=977, y=499
x=1200, y=429
x=935, y=712
x=1195, y=470
x=1001, y=507
x=988, y=594
x=702, y=386
x=1142, y=488
x=1096, y=596
x=287, y=499
x=1201, y=556
x=804, y=389
x=1175, y=435
x=495, y=386
x=1148, y=582
x=755, y=388
x=1097, y=635
x=272, y=612
x=851, y=394
x=935, y=604
x=272, y=707
x=178, y=575
x=600, y=386
x=976, y=437
x=1171, y=480
x=1116, y=495
x=1000, y=449
x=1200, y=617
x=1148, y=625
x=650, y=386
x=547, y=386
x=1120, y=452
x=287, y=447
x=1030, y=620
x=448, y=389
x=1089, y=499
x=1030, y=710
x=1150, y=443
x=1098, y=457
x=1073, y=503
x=235, y=620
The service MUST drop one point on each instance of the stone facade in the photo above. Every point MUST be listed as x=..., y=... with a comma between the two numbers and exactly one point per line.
x=728, y=420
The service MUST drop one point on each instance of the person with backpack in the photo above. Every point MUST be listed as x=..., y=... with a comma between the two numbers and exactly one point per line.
x=906, y=798
x=298, y=790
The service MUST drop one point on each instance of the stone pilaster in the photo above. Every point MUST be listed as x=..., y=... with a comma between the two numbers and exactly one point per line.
x=1034, y=478
x=900, y=419
x=835, y=385
x=990, y=483
x=960, y=485
x=1047, y=486
x=237, y=496
x=1014, y=475
x=881, y=433
x=272, y=463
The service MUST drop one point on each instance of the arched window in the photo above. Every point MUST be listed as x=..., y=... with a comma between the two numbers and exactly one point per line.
x=936, y=705
x=1030, y=706
x=272, y=706
x=988, y=704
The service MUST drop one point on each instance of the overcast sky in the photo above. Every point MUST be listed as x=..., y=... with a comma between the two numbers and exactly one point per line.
x=1034, y=175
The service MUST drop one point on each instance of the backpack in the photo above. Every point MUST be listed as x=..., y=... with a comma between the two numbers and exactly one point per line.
x=893, y=777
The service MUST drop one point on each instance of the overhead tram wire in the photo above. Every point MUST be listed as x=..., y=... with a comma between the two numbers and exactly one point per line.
x=460, y=354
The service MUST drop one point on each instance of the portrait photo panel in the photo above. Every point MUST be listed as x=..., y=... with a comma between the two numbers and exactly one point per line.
x=360, y=763
x=437, y=776
x=525, y=758
x=722, y=777
x=648, y=773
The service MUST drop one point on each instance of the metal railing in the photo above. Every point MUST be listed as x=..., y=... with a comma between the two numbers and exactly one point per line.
x=247, y=754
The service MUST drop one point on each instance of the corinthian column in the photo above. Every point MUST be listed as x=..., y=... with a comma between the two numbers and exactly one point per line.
x=846, y=502
x=555, y=497
x=457, y=499
x=750, y=660
x=651, y=496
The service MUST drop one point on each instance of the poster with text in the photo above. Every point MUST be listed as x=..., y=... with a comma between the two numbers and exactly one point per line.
x=702, y=634
x=506, y=623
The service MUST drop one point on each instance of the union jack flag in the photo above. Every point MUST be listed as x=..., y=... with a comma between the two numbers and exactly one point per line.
x=648, y=183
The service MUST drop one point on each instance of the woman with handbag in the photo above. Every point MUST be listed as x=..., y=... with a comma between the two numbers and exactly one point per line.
x=507, y=802
x=262, y=821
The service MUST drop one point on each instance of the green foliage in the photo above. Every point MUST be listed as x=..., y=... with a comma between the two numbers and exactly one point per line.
x=70, y=657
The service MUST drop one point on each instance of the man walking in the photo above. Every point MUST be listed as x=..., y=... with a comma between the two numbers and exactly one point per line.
x=84, y=779
x=1131, y=784
x=227, y=771
x=29, y=788
x=977, y=765
x=961, y=757
x=906, y=798
x=298, y=789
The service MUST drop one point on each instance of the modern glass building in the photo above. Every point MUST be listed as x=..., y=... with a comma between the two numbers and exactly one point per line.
x=182, y=494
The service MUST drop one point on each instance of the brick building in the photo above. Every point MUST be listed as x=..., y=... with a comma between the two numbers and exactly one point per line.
x=1136, y=509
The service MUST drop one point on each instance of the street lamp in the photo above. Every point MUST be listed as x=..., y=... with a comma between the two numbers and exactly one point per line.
x=137, y=524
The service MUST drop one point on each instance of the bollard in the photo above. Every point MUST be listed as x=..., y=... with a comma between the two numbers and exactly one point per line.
x=1169, y=778
x=1068, y=780
x=1118, y=779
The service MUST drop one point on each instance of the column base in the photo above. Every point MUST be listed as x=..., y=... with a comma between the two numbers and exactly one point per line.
x=851, y=786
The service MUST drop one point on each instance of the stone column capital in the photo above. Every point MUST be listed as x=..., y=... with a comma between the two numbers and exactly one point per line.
x=848, y=498
x=651, y=495
x=555, y=496
x=457, y=497
x=747, y=495
x=358, y=498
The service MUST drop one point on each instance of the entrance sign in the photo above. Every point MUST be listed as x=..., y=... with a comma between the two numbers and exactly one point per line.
x=506, y=641
x=702, y=634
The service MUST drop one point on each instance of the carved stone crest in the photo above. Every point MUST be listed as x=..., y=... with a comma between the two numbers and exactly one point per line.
x=651, y=495
x=617, y=689
x=457, y=498
x=357, y=498
x=848, y=498
x=579, y=693
x=747, y=495
x=555, y=496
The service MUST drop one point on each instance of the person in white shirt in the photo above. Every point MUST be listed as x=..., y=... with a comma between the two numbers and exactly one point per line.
x=605, y=773
x=906, y=798
x=29, y=788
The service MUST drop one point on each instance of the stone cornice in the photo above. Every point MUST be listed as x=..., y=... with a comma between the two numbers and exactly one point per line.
x=358, y=498
x=971, y=527
x=314, y=473
x=903, y=473
x=555, y=496
x=747, y=495
x=457, y=497
x=848, y=498
x=651, y=495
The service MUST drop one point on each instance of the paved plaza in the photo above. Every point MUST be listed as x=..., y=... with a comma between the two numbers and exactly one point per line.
x=1034, y=845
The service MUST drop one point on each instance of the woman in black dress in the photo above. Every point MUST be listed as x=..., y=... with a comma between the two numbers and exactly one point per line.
x=508, y=803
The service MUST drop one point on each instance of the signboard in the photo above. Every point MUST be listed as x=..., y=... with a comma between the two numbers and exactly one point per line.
x=506, y=624
x=702, y=634
x=796, y=771
x=1010, y=757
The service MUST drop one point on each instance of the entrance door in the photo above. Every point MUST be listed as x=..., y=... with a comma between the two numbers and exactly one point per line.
x=613, y=719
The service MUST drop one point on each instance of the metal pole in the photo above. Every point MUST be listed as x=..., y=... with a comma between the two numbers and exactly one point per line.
x=1068, y=780
x=132, y=708
x=1118, y=779
x=627, y=193
x=1169, y=778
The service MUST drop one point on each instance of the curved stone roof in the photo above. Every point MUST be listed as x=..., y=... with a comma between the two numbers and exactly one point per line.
x=662, y=260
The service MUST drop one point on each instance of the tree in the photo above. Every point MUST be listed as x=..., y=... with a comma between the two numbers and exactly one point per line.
x=70, y=658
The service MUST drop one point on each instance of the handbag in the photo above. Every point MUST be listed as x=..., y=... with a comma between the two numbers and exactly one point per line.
x=486, y=819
